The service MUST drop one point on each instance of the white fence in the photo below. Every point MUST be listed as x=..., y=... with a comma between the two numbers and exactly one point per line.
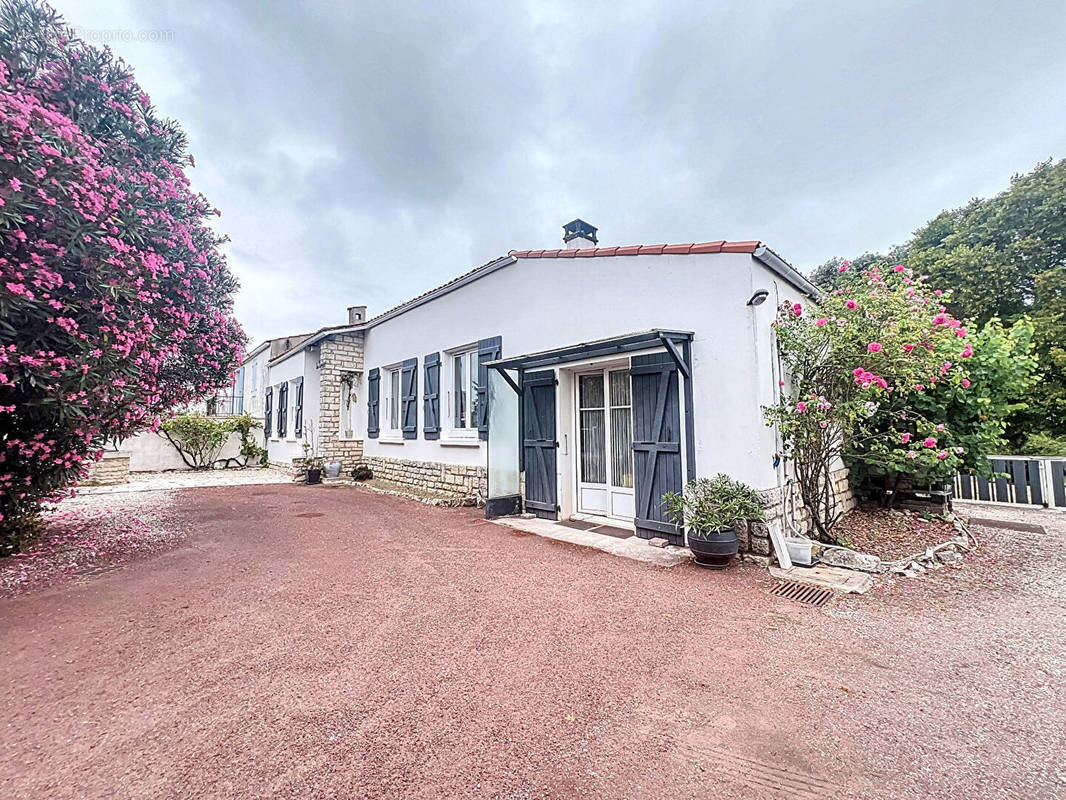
x=1028, y=480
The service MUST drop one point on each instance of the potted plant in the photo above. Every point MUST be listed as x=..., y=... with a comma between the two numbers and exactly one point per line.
x=711, y=508
x=314, y=470
x=312, y=461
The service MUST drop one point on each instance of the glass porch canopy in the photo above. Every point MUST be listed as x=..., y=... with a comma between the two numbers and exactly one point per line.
x=509, y=405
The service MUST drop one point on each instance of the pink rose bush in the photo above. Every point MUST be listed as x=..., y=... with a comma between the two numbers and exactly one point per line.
x=877, y=340
x=115, y=301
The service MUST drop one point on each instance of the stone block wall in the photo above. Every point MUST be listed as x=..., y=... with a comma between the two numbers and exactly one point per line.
x=338, y=355
x=785, y=511
x=113, y=468
x=452, y=480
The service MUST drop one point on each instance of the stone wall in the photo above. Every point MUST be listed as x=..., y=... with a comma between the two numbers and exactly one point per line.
x=112, y=469
x=786, y=512
x=339, y=354
x=454, y=480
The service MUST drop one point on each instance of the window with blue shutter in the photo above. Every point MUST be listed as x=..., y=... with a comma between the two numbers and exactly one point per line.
x=373, y=380
x=268, y=410
x=409, y=398
x=283, y=409
x=298, y=411
x=487, y=350
x=431, y=392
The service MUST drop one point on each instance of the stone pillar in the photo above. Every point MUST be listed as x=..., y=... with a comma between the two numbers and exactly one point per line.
x=112, y=469
x=339, y=354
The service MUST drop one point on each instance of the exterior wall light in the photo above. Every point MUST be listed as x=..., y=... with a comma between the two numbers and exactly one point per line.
x=758, y=298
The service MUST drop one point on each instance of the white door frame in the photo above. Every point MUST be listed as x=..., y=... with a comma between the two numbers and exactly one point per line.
x=603, y=370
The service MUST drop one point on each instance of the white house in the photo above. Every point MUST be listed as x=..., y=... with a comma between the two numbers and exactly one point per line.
x=572, y=382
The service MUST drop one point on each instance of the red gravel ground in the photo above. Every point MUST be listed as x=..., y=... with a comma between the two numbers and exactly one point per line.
x=327, y=642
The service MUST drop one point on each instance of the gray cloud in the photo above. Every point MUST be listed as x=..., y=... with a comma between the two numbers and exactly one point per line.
x=365, y=152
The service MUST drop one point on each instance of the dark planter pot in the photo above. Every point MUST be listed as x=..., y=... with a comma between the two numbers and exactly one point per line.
x=713, y=549
x=314, y=476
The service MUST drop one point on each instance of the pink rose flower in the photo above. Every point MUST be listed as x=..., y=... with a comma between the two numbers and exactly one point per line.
x=850, y=304
x=905, y=438
x=801, y=407
x=820, y=322
x=874, y=347
x=942, y=454
x=929, y=442
x=966, y=383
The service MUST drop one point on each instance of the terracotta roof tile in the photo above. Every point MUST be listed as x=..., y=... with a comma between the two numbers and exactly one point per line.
x=721, y=246
x=707, y=247
x=740, y=247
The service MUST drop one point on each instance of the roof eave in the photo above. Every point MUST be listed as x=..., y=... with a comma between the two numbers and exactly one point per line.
x=773, y=262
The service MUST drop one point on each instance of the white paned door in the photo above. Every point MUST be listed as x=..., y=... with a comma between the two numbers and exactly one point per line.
x=605, y=444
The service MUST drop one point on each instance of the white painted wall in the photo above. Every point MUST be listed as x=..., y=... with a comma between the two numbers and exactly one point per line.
x=303, y=362
x=539, y=304
x=151, y=452
x=254, y=386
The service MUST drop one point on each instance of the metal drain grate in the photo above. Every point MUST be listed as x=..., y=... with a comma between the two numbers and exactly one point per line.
x=803, y=593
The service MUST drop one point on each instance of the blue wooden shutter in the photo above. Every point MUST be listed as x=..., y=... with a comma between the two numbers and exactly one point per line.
x=372, y=402
x=431, y=390
x=283, y=409
x=539, y=443
x=298, y=422
x=656, y=444
x=487, y=350
x=409, y=398
x=268, y=410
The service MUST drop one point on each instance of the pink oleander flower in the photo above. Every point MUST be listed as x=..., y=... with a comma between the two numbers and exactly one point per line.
x=844, y=265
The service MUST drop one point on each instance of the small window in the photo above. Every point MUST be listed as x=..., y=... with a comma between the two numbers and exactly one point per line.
x=349, y=405
x=392, y=401
x=464, y=391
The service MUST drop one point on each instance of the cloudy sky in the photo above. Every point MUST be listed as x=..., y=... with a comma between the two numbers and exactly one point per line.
x=364, y=152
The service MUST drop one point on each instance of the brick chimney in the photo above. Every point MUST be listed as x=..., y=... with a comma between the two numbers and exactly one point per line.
x=356, y=315
x=578, y=235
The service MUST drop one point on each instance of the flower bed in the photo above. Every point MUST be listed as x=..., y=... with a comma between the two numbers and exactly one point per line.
x=892, y=534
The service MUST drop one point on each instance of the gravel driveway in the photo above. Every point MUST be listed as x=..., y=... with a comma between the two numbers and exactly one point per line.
x=328, y=642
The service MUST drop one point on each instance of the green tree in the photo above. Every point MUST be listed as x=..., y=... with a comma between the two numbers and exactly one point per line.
x=1003, y=257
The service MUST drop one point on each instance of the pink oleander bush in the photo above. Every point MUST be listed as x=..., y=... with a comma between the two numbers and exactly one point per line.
x=878, y=340
x=115, y=302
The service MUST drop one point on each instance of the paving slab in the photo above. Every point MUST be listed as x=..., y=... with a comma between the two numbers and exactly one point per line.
x=841, y=580
x=632, y=547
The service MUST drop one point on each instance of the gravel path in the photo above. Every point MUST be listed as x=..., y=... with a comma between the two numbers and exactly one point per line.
x=330, y=642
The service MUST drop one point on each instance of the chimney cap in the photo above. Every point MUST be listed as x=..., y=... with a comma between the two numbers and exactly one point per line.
x=356, y=314
x=579, y=229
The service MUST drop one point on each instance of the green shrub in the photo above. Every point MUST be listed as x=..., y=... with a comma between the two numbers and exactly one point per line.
x=708, y=504
x=1040, y=444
